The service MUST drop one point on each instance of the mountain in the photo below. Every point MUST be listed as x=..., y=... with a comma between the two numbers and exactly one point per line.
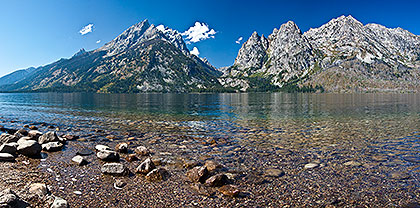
x=144, y=58
x=342, y=55
x=16, y=76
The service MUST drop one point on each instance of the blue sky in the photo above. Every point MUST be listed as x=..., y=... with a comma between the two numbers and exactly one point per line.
x=35, y=33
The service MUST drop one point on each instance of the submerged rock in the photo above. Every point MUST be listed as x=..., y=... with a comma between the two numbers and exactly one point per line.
x=142, y=151
x=52, y=146
x=212, y=165
x=274, y=172
x=79, y=160
x=229, y=190
x=122, y=147
x=59, y=203
x=198, y=174
x=116, y=169
x=40, y=189
x=50, y=136
x=107, y=155
x=311, y=165
x=352, y=164
x=146, y=166
x=217, y=180
x=158, y=174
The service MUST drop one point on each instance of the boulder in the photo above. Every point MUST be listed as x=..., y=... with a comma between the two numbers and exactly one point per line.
x=6, y=157
x=7, y=138
x=23, y=140
x=52, y=146
x=198, y=174
x=107, y=155
x=50, y=136
x=146, y=166
x=29, y=148
x=79, y=160
x=116, y=169
x=158, y=174
x=10, y=148
x=34, y=134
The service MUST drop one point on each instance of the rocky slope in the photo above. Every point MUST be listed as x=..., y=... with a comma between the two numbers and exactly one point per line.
x=144, y=58
x=341, y=55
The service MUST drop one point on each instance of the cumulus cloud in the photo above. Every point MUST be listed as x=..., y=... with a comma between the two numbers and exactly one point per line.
x=198, y=32
x=86, y=29
x=239, y=40
x=98, y=41
x=195, y=51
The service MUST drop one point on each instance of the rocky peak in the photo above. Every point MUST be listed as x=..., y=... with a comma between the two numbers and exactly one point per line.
x=80, y=52
x=174, y=37
x=252, y=52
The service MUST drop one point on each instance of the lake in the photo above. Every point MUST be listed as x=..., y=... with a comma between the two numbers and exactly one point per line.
x=331, y=149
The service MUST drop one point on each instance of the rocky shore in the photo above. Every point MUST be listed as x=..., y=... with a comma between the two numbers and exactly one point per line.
x=159, y=164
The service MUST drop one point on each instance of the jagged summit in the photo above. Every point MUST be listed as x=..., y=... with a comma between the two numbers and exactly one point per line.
x=80, y=52
x=343, y=48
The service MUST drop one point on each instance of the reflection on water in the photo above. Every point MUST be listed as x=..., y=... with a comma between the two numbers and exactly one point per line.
x=264, y=106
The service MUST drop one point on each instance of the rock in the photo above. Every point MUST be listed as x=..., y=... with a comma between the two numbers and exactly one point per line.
x=217, y=180
x=108, y=156
x=7, y=138
x=131, y=157
x=8, y=198
x=411, y=205
x=412, y=159
x=50, y=136
x=311, y=165
x=201, y=189
x=122, y=147
x=59, y=203
x=212, y=165
x=142, y=151
x=119, y=184
x=116, y=169
x=6, y=157
x=18, y=135
x=157, y=161
x=39, y=189
x=34, y=134
x=22, y=132
x=198, y=174
x=70, y=137
x=399, y=175
x=146, y=166
x=274, y=172
x=84, y=152
x=24, y=139
x=380, y=158
x=29, y=148
x=352, y=164
x=52, y=146
x=33, y=128
x=10, y=148
x=101, y=147
x=229, y=190
x=190, y=163
x=157, y=174
x=79, y=160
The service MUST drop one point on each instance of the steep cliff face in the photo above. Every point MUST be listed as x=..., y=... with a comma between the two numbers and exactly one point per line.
x=143, y=58
x=341, y=55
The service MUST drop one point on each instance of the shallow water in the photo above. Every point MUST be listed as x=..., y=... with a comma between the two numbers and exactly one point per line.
x=248, y=133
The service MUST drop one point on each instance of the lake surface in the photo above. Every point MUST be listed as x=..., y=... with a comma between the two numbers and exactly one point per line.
x=366, y=146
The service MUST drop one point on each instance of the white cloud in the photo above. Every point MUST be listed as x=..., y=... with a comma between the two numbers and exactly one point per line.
x=98, y=41
x=198, y=32
x=86, y=29
x=239, y=40
x=195, y=51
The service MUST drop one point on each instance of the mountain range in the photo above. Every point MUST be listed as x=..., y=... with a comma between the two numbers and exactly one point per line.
x=342, y=55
